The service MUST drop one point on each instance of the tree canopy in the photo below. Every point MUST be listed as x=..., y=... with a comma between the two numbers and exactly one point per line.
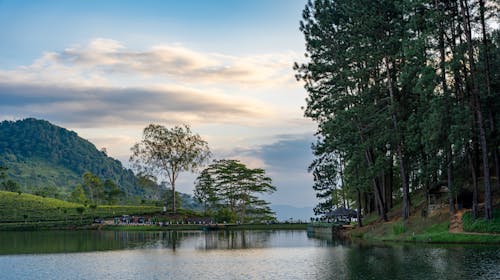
x=166, y=152
x=230, y=186
x=404, y=98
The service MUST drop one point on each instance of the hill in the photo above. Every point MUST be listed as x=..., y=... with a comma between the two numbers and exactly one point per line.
x=40, y=154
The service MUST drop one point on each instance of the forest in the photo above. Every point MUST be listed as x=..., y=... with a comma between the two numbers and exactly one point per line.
x=406, y=97
x=41, y=155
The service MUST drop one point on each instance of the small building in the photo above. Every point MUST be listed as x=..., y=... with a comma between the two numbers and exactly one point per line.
x=341, y=215
x=125, y=219
x=438, y=197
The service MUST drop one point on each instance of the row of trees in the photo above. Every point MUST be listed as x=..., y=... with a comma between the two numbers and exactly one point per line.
x=7, y=184
x=406, y=95
x=94, y=191
x=230, y=186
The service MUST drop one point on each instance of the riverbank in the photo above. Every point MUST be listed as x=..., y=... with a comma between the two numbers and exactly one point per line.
x=432, y=229
x=181, y=227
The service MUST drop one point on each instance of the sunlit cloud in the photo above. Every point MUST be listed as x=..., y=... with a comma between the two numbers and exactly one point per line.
x=98, y=106
x=106, y=62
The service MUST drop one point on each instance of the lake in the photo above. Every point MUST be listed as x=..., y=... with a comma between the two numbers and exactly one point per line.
x=232, y=255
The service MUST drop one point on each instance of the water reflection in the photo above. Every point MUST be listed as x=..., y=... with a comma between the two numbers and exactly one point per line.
x=413, y=261
x=87, y=241
x=233, y=255
x=34, y=242
x=223, y=240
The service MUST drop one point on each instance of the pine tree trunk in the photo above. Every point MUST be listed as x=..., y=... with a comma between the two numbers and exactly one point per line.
x=367, y=203
x=491, y=111
x=391, y=183
x=358, y=202
x=404, y=181
x=488, y=214
x=450, y=179
x=447, y=119
x=377, y=190
x=474, y=172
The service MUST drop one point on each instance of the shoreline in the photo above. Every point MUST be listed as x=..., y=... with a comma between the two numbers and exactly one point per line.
x=145, y=227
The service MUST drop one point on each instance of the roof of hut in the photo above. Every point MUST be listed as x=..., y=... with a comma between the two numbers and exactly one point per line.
x=342, y=212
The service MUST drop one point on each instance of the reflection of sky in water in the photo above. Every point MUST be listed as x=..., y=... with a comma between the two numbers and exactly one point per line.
x=253, y=255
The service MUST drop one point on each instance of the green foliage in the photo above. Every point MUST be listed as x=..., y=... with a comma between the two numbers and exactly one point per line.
x=93, y=187
x=168, y=152
x=22, y=208
x=230, y=189
x=398, y=228
x=10, y=186
x=393, y=86
x=40, y=154
x=78, y=195
x=480, y=224
x=111, y=192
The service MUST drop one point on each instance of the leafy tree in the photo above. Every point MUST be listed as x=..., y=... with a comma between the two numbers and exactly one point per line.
x=10, y=186
x=205, y=191
x=47, y=191
x=93, y=187
x=2, y=172
x=78, y=195
x=111, y=192
x=80, y=210
x=228, y=186
x=168, y=152
x=167, y=196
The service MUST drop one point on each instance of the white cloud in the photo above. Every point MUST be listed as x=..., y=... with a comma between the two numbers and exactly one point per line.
x=108, y=62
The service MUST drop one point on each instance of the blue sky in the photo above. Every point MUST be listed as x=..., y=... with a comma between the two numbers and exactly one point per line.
x=106, y=69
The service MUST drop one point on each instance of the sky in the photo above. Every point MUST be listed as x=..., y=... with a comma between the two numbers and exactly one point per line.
x=107, y=69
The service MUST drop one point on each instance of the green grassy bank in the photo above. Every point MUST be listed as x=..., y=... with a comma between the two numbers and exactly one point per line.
x=433, y=229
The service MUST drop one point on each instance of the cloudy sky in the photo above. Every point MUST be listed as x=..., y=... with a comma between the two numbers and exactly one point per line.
x=106, y=69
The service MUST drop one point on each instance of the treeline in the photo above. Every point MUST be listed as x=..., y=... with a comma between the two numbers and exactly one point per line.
x=406, y=97
x=95, y=191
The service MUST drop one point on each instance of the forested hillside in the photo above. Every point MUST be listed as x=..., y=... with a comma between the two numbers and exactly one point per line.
x=40, y=155
x=406, y=98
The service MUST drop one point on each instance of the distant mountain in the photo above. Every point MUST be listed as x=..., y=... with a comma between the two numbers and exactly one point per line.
x=39, y=154
x=285, y=212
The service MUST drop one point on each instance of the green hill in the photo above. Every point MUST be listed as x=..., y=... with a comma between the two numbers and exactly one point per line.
x=18, y=210
x=40, y=154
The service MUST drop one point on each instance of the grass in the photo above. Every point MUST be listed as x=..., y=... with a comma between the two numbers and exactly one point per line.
x=480, y=224
x=398, y=228
x=19, y=209
x=432, y=229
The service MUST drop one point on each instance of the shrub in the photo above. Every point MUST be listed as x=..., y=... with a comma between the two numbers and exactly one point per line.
x=398, y=228
x=480, y=224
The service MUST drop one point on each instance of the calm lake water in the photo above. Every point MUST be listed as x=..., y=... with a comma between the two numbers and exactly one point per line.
x=231, y=255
